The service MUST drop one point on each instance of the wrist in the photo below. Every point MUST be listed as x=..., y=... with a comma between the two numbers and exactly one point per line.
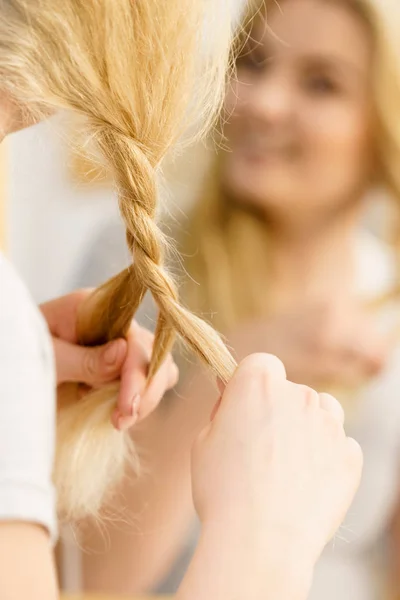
x=260, y=566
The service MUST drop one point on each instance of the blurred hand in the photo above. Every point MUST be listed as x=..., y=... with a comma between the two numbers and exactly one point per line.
x=319, y=345
x=126, y=360
x=275, y=468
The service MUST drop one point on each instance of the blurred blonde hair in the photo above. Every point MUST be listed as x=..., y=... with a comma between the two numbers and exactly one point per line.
x=138, y=74
x=225, y=243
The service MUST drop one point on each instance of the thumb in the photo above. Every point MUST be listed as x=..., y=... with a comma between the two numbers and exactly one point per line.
x=92, y=366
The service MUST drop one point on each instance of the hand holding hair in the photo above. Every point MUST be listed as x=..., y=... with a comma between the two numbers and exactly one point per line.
x=126, y=360
x=102, y=392
x=273, y=476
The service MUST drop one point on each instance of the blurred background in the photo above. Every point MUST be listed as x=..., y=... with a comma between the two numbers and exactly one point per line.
x=287, y=223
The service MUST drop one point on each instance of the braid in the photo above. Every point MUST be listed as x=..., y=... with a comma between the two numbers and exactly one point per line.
x=107, y=315
x=138, y=201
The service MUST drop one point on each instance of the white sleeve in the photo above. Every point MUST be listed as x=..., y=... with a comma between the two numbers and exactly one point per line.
x=27, y=407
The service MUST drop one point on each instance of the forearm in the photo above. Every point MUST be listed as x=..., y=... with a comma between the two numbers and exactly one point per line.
x=26, y=563
x=130, y=559
x=229, y=567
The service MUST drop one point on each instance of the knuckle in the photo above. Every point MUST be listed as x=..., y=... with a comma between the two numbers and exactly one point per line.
x=262, y=376
x=332, y=426
x=265, y=366
x=257, y=380
x=332, y=405
x=308, y=396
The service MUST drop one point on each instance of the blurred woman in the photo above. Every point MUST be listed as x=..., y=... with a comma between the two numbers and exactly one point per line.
x=280, y=262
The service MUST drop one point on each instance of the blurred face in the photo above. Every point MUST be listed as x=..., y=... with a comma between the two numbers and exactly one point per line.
x=300, y=125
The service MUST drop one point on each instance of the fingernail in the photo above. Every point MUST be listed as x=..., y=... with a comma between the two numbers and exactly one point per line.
x=135, y=405
x=111, y=353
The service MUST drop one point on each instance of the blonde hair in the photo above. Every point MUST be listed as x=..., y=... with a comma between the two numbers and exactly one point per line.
x=138, y=73
x=225, y=243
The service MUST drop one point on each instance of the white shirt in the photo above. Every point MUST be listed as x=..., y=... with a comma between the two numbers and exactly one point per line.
x=27, y=404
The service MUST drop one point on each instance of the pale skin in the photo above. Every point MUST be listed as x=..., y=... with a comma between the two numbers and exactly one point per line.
x=274, y=414
x=301, y=140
